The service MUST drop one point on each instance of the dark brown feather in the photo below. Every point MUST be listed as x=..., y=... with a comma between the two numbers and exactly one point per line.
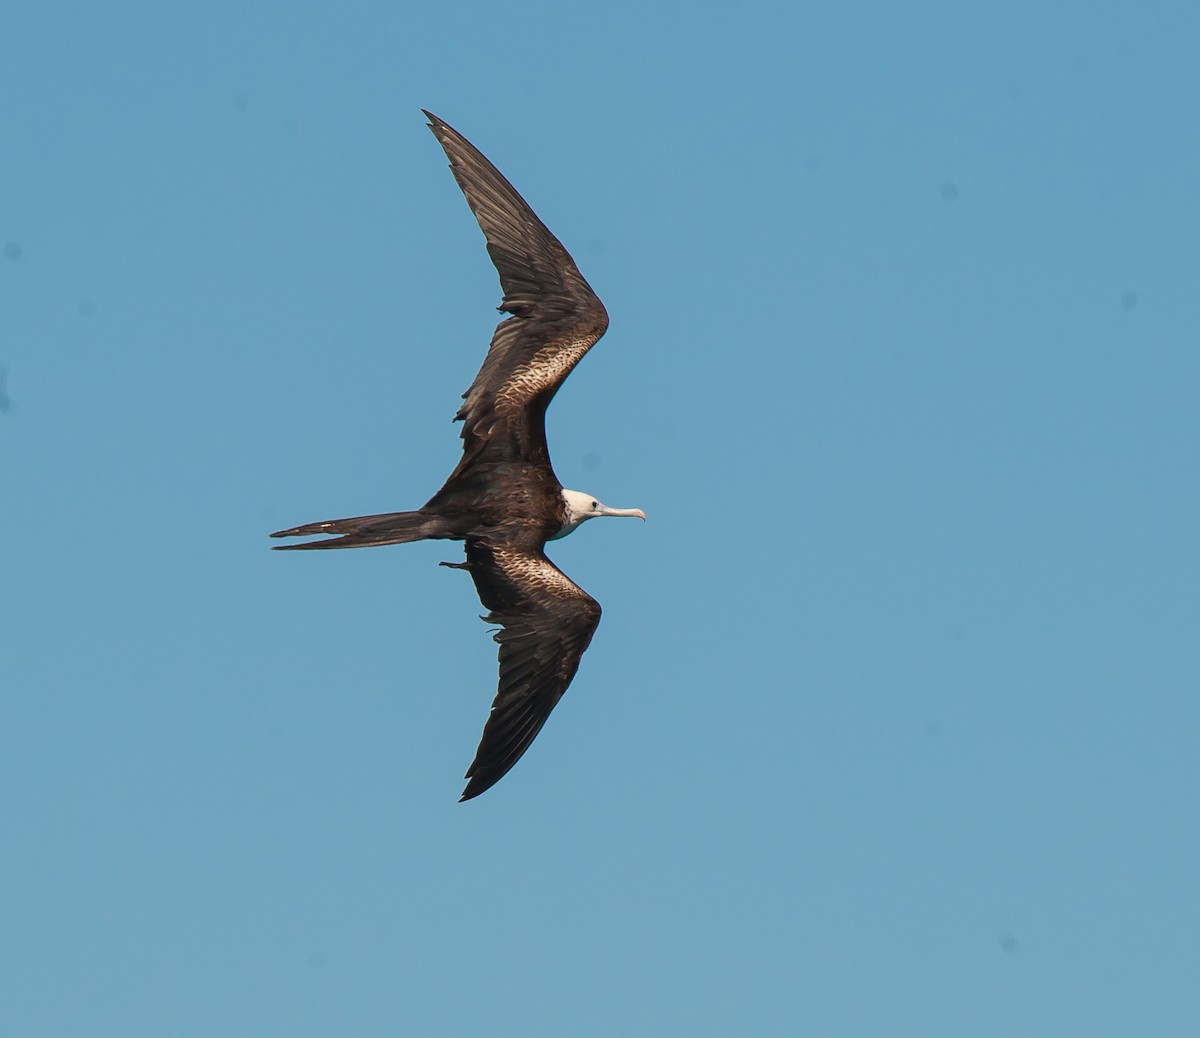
x=503, y=498
x=546, y=622
x=556, y=318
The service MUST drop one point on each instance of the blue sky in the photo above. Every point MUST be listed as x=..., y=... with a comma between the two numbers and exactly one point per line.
x=890, y=727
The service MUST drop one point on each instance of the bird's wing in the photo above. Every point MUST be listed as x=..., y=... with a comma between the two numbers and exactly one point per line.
x=556, y=317
x=546, y=622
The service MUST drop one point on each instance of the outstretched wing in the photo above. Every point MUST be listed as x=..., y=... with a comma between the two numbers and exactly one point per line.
x=556, y=317
x=546, y=621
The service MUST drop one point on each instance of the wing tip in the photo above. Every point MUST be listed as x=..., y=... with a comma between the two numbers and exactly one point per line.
x=438, y=126
x=476, y=785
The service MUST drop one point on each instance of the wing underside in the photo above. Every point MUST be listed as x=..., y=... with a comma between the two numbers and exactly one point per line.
x=556, y=317
x=546, y=622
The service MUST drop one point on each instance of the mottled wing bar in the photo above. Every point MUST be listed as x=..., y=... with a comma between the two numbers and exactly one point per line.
x=546, y=370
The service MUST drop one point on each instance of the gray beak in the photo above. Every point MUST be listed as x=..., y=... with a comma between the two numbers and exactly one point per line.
x=636, y=513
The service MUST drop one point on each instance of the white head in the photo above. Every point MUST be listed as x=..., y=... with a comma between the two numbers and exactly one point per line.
x=581, y=507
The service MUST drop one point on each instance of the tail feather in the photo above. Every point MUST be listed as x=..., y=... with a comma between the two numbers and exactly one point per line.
x=366, y=531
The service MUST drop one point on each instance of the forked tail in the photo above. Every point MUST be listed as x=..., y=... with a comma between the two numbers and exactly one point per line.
x=366, y=531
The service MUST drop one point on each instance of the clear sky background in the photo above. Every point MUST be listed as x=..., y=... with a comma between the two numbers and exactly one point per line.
x=891, y=725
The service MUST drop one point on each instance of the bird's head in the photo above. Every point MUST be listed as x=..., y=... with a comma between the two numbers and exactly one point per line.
x=581, y=507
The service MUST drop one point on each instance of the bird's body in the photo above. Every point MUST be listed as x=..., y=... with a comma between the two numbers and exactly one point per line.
x=503, y=498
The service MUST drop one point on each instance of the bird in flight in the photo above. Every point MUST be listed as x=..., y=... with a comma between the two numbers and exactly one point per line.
x=503, y=499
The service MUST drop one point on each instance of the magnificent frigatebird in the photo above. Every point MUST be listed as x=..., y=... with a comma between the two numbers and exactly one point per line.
x=503, y=498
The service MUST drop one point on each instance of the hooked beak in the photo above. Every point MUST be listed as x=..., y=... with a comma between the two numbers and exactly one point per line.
x=636, y=513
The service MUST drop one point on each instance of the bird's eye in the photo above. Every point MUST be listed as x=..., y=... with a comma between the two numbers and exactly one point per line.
x=595, y=504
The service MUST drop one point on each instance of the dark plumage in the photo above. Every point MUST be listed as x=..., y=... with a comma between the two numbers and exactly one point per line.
x=503, y=498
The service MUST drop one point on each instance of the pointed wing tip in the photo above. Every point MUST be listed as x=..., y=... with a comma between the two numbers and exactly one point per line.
x=481, y=778
x=436, y=125
x=474, y=787
x=444, y=133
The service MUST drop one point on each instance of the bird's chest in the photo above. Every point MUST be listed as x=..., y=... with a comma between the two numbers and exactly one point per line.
x=523, y=496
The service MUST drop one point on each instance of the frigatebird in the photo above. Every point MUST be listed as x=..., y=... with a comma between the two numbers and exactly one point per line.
x=503, y=499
